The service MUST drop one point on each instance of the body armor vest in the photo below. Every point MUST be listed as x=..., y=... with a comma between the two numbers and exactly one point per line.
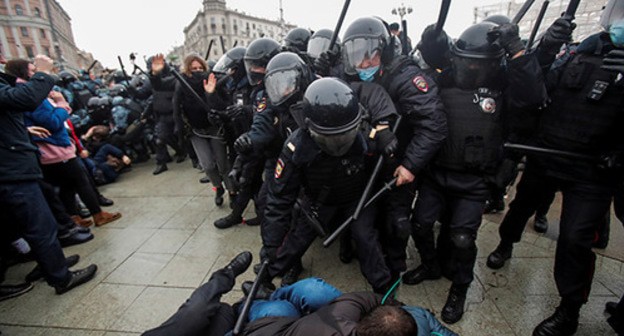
x=475, y=130
x=583, y=113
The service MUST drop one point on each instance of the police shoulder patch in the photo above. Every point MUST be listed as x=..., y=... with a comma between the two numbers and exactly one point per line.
x=262, y=105
x=279, y=168
x=421, y=83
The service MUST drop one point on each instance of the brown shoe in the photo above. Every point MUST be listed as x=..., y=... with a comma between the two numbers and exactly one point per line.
x=104, y=217
x=81, y=221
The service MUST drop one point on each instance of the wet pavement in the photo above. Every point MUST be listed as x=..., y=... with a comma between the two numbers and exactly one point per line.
x=165, y=245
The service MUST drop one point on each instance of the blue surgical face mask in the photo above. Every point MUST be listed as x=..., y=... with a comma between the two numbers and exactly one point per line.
x=616, y=32
x=367, y=74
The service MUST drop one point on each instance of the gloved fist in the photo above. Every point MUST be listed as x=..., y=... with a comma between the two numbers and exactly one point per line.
x=508, y=36
x=237, y=111
x=214, y=117
x=434, y=47
x=386, y=142
x=243, y=144
x=325, y=61
x=557, y=34
x=614, y=61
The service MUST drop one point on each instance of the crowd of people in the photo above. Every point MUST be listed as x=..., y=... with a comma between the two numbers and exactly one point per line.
x=308, y=131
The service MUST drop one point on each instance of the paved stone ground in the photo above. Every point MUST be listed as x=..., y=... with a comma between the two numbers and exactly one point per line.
x=165, y=246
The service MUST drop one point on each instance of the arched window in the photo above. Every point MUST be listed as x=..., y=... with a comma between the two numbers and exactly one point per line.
x=19, y=10
x=37, y=12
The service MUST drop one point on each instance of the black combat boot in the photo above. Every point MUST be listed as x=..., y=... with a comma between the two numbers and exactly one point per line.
x=502, y=253
x=292, y=275
x=454, y=308
x=541, y=223
x=426, y=271
x=219, y=196
x=563, y=322
x=240, y=263
x=230, y=220
x=160, y=168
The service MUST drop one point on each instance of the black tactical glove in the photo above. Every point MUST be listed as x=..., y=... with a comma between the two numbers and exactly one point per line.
x=614, y=61
x=386, y=142
x=557, y=34
x=325, y=61
x=508, y=36
x=237, y=111
x=434, y=47
x=243, y=144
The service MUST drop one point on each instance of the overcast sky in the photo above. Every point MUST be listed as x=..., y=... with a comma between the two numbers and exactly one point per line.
x=108, y=28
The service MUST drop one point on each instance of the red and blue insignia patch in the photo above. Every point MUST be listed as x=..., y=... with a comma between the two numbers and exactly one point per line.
x=279, y=168
x=421, y=84
x=262, y=105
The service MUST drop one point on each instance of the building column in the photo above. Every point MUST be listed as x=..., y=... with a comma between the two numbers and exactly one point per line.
x=21, y=52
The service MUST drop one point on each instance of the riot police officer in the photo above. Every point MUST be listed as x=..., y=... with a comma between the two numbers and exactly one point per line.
x=326, y=158
x=248, y=170
x=296, y=40
x=286, y=80
x=583, y=117
x=368, y=55
x=478, y=96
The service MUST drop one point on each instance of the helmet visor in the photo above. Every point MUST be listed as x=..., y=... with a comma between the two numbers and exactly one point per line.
x=357, y=52
x=223, y=65
x=472, y=73
x=335, y=144
x=281, y=85
x=317, y=45
x=255, y=71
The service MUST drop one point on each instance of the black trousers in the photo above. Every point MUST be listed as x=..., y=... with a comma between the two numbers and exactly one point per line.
x=202, y=314
x=64, y=221
x=164, y=136
x=363, y=232
x=395, y=210
x=459, y=199
x=582, y=218
x=72, y=178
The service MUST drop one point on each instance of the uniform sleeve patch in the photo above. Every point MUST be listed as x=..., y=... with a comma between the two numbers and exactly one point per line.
x=279, y=168
x=421, y=84
x=262, y=105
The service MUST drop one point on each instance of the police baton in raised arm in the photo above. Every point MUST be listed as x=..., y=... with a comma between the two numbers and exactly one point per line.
x=367, y=190
x=446, y=4
x=571, y=10
x=538, y=22
x=91, y=66
x=240, y=322
x=222, y=44
x=123, y=69
x=523, y=10
x=339, y=24
x=209, y=49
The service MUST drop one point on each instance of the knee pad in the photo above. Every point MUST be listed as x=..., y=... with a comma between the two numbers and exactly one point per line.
x=463, y=240
x=402, y=228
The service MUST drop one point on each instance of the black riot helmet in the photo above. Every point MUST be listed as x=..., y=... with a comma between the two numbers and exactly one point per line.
x=287, y=77
x=332, y=115
x=258, y=54
x=319, y=42
x=475, y=59
x=298, y=39
x=366, y=38
x=66, y=77
x=118, y=90
x=232, y=63
x=498, y=19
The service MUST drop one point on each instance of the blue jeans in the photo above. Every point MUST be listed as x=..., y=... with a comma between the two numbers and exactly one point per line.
x=301, y=298
x=24, y=205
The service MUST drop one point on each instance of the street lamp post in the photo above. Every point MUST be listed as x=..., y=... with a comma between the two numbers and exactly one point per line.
x=402, y=11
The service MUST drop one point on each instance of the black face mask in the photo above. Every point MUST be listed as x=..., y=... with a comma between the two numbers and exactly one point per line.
x=197, y=79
